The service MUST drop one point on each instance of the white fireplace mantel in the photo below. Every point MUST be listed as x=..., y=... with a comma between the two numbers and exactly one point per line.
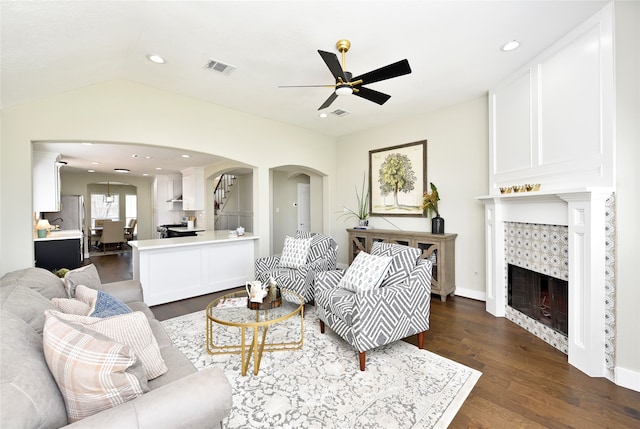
x=583, y=212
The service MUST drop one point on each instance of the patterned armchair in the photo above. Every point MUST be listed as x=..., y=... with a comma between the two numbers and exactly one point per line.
x=379, y=299
x=302, y=257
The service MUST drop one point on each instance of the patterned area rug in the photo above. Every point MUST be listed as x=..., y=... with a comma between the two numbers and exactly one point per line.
x=321, y=385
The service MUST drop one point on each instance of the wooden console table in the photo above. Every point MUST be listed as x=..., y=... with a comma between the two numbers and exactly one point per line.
x=440, y=248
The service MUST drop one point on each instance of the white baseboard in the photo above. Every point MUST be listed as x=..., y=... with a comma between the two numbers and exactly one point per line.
x=627, y=378
x=472, y=294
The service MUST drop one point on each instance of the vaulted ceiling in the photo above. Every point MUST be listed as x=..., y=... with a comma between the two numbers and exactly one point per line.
x=453, y=48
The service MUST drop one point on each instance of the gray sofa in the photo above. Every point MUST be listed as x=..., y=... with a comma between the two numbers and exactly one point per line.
x=30, y=398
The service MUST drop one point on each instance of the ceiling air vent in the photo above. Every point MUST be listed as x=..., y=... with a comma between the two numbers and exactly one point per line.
x=218, y=66
x=339, y=112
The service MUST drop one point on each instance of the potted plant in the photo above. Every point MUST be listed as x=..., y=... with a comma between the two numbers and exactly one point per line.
x=430, y=205
x=362, y=212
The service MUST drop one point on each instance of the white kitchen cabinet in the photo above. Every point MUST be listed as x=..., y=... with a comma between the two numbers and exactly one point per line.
x=165, y=211
x=46, y=182
x=193, y=188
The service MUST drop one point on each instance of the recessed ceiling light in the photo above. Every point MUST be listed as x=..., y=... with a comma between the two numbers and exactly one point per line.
x=135, y=155
x=121, y=170
x=186, y=156
x=145, y=174
x=158, y=168
x=91, y=171
x=95, y=163
x=323, y=115
x=155, y=58
x=510, y=46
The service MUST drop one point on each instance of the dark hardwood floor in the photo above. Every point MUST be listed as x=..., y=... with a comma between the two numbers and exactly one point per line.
x=525, y=382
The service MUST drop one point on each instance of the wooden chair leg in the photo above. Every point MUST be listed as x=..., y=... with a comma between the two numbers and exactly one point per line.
x=321, y=327
x=421, y=340
x=362, y=356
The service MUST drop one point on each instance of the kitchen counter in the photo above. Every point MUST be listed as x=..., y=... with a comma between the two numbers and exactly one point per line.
x=60, y=249
x=62, y=234
x=201, y=238
x=171, y=269
x=184, y=229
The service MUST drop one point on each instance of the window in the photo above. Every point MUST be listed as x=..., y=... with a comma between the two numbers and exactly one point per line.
x=101, y=209
x=130, y=208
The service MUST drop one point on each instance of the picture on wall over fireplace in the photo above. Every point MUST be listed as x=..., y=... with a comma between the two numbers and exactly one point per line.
x=398, y=179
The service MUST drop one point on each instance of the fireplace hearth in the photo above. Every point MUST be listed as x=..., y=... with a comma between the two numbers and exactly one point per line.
x=539, y=296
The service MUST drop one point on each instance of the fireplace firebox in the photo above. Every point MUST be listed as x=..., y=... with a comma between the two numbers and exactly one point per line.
x=539, y=296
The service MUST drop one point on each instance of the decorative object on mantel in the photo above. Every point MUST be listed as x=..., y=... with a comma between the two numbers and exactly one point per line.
x=430, y=205
x=363, y=207
x=520, y=188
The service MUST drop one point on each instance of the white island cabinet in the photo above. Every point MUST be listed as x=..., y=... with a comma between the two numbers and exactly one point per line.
x=172, y=269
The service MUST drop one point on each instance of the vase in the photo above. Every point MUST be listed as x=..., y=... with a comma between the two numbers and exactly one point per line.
x=363, y=222
x=437, y=225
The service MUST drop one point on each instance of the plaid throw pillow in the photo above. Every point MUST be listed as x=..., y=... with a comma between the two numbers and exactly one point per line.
x=365, y=272
x=132, y=329
x=295, y=252
x=93, y=372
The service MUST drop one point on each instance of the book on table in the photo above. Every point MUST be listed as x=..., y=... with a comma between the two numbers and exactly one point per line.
x=232, y=302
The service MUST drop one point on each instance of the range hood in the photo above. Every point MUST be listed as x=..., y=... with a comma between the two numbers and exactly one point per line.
x=176, y=199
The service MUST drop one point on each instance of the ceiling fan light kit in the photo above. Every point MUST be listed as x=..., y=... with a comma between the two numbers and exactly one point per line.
x=344, y=89
x=346, y=84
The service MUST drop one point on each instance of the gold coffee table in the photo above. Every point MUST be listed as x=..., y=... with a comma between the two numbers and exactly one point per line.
x=232, y=310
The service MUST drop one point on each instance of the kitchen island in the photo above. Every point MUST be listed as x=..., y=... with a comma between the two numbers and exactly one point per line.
x=171, y=269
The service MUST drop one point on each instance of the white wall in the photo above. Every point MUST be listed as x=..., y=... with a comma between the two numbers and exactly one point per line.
x=627, y=38
x=457, y=163
x=285, y=215
x=121, y=111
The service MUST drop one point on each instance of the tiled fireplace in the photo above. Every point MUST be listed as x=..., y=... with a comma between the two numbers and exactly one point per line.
x=542, y=249
x=567, y=235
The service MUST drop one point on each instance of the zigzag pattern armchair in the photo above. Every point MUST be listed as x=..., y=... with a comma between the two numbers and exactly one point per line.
x=367, y=319
x=321, y=255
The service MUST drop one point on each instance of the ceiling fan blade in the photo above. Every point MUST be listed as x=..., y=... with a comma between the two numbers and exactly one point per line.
x=328, y=101
x=331, y=60
x=372, y=95
x=387, y=72
x=306, y=86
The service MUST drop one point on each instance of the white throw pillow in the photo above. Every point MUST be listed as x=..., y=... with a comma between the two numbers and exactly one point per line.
x=295, y=252
x=365, y=272
x=72, y=306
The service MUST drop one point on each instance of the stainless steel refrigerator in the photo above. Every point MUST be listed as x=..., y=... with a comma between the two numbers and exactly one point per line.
x=72, y=216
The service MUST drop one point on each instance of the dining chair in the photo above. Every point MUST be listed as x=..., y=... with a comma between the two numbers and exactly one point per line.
x=112, y=233
x=130, y=229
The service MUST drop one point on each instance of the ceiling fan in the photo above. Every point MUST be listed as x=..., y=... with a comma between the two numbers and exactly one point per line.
x=347, y=84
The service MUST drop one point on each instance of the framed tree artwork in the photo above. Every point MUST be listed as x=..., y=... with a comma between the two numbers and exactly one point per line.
x=397, y=179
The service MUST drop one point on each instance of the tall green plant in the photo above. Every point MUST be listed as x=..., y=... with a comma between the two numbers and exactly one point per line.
x=362, y=212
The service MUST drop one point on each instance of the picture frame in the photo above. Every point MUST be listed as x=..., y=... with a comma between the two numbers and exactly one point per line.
x=400, y=194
